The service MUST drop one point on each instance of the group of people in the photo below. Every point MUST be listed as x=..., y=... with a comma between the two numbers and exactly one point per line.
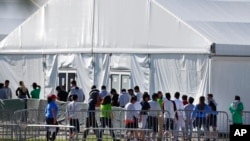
x=179, y=114
x=142, y=111
x=22, y=91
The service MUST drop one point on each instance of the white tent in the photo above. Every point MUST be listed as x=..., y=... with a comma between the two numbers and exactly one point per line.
x=14, y=12
x=191, y=46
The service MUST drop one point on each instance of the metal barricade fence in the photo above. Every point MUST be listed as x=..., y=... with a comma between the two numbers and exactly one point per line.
x=91, y=125
x=214, y=126
x=246, y=117
x=9, y=130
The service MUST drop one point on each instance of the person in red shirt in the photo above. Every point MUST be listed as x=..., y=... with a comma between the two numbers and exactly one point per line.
x=184, y=99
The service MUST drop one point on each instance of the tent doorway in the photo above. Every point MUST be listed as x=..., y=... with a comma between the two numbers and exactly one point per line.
x=120, y=80
x=65, y=77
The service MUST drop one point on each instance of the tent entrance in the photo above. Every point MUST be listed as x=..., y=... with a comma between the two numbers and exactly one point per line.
x=120, y=80
x=65, y=77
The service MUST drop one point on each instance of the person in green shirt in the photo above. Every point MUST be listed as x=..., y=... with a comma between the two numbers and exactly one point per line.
x=106, y=116
x=35, y=93
x=160, y=99
x=236, y=108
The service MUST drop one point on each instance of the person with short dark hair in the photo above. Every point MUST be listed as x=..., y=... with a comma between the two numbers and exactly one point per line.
x=91, y=120
x=106, y=116
x=3, y=92
x=62, y=95
x=212, y=117
x=138, y=93
x=35, y=93
x=160, y=98
x=123, y=98
x=189, y=122
x=180, y=120
x=153, y=114
x=184, y=99
x=143, y=115
x=76, y=90
x=131, y=92
x=72, y=112
x=131, y=118
x=103, y=92
x=8, y=90
x=168, y=109
x=236, y=108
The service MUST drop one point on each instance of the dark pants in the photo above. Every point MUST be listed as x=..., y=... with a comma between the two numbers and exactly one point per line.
x=169, y=124
x=90, y=122
x=153, y=123
x=50, y=121
x=106, y=122
x=75, y=123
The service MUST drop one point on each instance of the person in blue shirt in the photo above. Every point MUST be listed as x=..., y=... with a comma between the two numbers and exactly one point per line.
x=51, y=113
x=199, y=115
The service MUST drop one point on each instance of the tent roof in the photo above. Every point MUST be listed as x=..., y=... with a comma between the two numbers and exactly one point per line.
x=13, y=13
x=224, y=22
x=128, y=26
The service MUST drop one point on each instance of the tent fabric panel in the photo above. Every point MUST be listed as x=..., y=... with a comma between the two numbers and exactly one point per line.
x=26, y=68
x=128, y=26
x=140, y=71
x=121, y=24
x=230, y=77
x=168, y=31
x=80, y=62
x=58, y=24
x=13, y=13
x=187, y=74
x=207, y=11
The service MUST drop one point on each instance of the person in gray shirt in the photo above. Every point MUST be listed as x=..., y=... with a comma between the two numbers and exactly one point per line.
x=8, y=90
x=188, y=122
x=123, y=98
x=3, y=92
x=153, y=114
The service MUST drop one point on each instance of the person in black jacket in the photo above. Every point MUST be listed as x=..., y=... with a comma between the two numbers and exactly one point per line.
x=22, y=91
x=114, y=98
x=62, y=95
x=91, y=120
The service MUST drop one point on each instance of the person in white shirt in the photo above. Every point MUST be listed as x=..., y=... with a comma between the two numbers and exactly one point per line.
x=73, y=116
x=180, y=122
x=153, y=114
x=131, y=118
x=189, y=122
x=138, y=94
x=123, y=98
x=169, y=113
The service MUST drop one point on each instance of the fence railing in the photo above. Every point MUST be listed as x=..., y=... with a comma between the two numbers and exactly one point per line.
x=30, y=124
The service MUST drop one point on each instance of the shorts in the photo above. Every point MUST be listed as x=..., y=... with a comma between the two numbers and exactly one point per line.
x=133, y=124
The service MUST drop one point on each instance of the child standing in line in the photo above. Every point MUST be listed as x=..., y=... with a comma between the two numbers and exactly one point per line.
x=106, y=116
x=72, y=114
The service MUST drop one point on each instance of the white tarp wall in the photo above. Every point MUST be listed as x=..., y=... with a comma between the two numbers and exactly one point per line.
x=26, y=68
x=187, y=74
x=230, y=77
x=95, y=37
